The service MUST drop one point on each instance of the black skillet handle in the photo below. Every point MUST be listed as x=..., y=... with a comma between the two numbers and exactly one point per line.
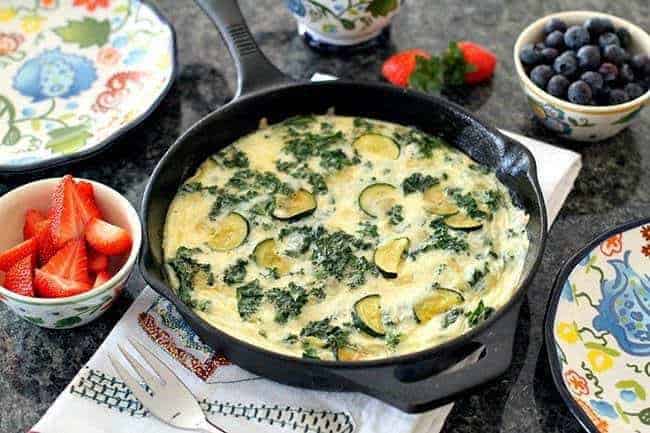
x=254, y=71
x=435, y=391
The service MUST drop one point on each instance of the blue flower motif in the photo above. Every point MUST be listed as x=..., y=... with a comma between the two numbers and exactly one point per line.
x=627, y=395
x=54, y=74
x=135, y=56
x=585, y=260
x=567, y=293
x=604, y=408
x=120, y=41
x=625, y=324
x=296, y=7
x=28, y=111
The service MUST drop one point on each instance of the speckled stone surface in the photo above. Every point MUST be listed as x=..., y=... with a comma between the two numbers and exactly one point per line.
x=36, y=364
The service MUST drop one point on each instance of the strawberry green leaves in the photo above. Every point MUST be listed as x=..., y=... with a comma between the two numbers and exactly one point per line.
x=382, y=7
x=448, y=69
x=86, y=32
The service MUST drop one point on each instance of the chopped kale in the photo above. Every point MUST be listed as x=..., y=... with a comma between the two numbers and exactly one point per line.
x=424, y=142
x=393, y=338
x=363, y=124
x=318, y=291
x=441, y=239
x=298, y=122
x=480, y=168
x=309, y=352
x=235, y=273
x=302, y=171
x=309, y=144
x=290, y=339
x=493, y=199
x=249, y=299
x=191, y=187
x=232, y=158
x=467, y=202
x=480, y=313
x=333, y=336
x=336, y=160
x=395, y=214
x=478, y=275
x=368, y=230
x=333, y=256
x=223, y=201
x=418, y=182
x=288, y=301
x=299, y=238
x=451, y=317
x=203, y=305
x=186, y=269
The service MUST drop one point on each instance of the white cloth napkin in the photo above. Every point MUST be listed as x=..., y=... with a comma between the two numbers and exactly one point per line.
x=97, y=401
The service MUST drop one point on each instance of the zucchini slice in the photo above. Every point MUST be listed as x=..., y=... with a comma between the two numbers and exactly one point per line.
x=266, y=255
x=388, y=256
x=438, y=203
x=376, y=146
x=440, y=302
x=296, y=205
x=462, y=221
x=378, y=198
x=231, y=233
x=347, y=353
x=366, y=315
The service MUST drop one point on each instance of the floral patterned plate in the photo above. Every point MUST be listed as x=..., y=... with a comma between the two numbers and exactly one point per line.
x=597, y=331
x=76, y=74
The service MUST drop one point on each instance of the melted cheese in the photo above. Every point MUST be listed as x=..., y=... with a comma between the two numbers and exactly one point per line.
x=487, y=271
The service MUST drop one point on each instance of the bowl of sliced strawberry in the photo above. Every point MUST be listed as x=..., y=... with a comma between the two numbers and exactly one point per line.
x=66, y=249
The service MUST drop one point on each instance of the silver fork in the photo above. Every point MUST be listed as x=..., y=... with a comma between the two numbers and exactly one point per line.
x=167, y=398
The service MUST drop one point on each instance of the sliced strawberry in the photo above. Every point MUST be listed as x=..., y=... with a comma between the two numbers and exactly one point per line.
x=47, y=285
x=71, y=262
x=20, y=277
x=46, y=247
x=86, y=201
x=107, y=238
x=19, y=252
x=97, y=262
x=481, y=60
x=398, y=68
x=102, y=277
x=32, y=218
x=67, y=223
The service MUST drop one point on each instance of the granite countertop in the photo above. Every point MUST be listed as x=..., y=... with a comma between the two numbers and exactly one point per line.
x=36, y=364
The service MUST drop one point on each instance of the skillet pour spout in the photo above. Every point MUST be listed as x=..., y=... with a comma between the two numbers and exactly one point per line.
x=414, y=382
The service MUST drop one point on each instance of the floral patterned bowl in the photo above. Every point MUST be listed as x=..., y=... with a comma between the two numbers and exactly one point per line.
x=73, y=311
x=573, y=121
x=343, y=22
x=597, y=331
x=76, y=75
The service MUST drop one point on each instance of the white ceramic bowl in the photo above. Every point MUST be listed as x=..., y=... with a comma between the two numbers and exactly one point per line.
x=573, y=121
x=73, y=311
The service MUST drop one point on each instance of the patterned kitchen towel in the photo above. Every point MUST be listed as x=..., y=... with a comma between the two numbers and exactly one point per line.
x=98, y=401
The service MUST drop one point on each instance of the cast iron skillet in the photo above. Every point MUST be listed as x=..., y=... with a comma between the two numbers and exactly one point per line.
x=412, y=382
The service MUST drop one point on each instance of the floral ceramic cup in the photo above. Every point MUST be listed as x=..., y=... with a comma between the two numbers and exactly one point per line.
x=73, y=311
x=597, y=331
x=343, y=22
x=573, y=121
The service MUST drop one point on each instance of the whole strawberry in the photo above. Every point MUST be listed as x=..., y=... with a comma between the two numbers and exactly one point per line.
x=398, y=68
x=482, y=61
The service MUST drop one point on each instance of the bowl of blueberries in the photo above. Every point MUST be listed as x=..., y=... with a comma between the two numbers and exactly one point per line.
x=586, y=74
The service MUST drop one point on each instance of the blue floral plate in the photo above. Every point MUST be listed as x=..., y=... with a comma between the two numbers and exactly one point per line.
x=76, y=74
x=597, y=331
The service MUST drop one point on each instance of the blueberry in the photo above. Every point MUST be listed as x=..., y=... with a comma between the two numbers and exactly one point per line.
x=626, y=74
x=575, y=37
x=554, y=24
x=540, y=75
x=529, y=55
x=608, y=39
x=595, y=26
x=594, y=79
x=608, y=71
x=601, y=97
x=589, y=57
x=624, y=36
x=608, y=25
x=617, y=96
x=566, y=64
x=615, y=54
x=634, y=90
x=549, y=55
x=557, y=86
x=580, y=93
x=555, y=39
x=641, y=64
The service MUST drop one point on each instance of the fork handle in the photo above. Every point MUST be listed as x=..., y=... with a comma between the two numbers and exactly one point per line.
x=210, y=427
